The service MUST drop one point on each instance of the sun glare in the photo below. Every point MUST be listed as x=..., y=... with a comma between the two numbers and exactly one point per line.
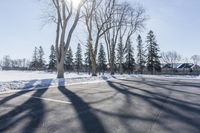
x=75, y=3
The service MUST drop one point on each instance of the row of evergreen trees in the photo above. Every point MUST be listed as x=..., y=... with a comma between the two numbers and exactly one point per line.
x=78, y=63
x=147, y=57
x=38, y=61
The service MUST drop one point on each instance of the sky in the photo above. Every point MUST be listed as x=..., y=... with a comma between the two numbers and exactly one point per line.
x=176, y=24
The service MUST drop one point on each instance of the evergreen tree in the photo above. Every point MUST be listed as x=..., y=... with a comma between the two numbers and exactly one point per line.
x=88, y=62
x=130, y=61
x=41, y=58
x=69, y=60
x=102, y=59
x=153, y=62
x=120, y=56
x=52, y=59
x=78, y=58
x=141, y=54
x=35, y=61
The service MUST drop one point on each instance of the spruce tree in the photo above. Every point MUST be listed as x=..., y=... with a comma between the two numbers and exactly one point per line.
x=88, y=62
x=69, y=60
x=35, y=61
x=78, y=58
x=129, y=57
x=153, y=62
x=41, y=58
x=120, y=55
x=102, y=59
x=52, y=59
x=141, y=54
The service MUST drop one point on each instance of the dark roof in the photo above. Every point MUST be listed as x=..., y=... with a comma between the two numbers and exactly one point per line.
x=186, y=65
x=175, y=65
x=178, y=65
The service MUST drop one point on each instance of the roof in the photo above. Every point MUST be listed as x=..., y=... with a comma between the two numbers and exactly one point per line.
x=178, y=65
x=186, y=65
x=169, y=65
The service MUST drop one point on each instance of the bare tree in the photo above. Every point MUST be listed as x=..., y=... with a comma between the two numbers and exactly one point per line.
x=112, y=35
x=134, y=22
x=97, y=14
x=195, y=59
x=171, y=57
x=126, y=20
x=66, y=20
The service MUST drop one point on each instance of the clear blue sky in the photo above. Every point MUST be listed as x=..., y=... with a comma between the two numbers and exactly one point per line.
x=176, y=24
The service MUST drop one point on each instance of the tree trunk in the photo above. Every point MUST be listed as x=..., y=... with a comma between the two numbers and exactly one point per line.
x=60, y=62
x=89, y=70
x=120, y=67
x=112, y=63
x=60, y=69
x=94, y=66
x=112, y=71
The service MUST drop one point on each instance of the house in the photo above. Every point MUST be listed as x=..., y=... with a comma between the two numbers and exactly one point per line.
x=181, y=68
x=170, y=67
x=189, y=67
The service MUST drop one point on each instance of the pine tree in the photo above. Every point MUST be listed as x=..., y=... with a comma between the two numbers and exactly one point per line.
x=35, y=61
x=88, y=62
x=153, y=62
x=52, y=59
x=41, y=58
x=78, y=58
x=120, y=56
x=141, y=54
x=130, y=61
x=102, y=59
x=69, y=60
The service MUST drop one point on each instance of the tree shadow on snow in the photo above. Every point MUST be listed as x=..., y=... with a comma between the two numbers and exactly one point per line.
x=31, y=112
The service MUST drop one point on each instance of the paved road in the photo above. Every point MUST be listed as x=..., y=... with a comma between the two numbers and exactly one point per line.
x=137, y=105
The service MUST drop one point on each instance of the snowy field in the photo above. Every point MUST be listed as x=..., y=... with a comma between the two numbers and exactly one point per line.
x=32, y=75
x=12, y=81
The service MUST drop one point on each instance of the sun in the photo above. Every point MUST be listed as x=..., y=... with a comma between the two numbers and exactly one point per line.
x=75, y=3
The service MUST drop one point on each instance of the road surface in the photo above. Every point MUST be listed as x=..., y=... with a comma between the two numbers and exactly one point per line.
x=136, y=105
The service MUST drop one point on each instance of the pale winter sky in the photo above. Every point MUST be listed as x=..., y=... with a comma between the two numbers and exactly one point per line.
x=176, y=23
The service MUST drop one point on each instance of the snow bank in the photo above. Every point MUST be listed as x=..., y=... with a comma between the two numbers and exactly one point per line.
x=32, y=75
x=12, y=81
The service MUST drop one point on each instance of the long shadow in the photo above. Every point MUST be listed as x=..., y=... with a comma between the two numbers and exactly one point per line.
x=89, y=120
x=29, y=84
x=31, y=113
x=176, y=110
x=10, y=97
x=162, y=85
x=156, y=94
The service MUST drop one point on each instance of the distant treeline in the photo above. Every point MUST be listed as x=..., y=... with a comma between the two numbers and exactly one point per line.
x=148, y=59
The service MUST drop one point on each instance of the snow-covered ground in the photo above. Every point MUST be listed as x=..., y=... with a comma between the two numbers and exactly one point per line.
x=31, y=75
x=12, y=81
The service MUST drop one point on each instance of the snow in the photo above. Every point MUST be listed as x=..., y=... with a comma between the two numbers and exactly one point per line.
x=31, y=75
x=14, y=81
